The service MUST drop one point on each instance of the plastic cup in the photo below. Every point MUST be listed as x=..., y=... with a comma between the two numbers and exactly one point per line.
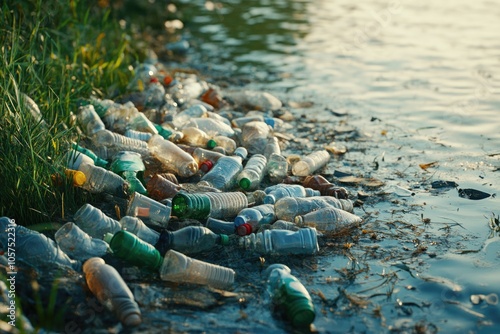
x=146, y=207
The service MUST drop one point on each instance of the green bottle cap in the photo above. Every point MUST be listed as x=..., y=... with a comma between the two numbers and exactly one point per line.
x=245, y=183
x=211, y=144
x=186, y=205
x=224, y=239
x=129, y=247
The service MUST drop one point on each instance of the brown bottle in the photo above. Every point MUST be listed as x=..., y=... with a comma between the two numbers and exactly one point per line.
x=159, y=188
x=111, y=290
x=318, y=182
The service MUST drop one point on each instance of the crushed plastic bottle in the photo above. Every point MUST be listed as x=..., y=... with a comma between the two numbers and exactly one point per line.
x=130, y=166
x=114, y=142
x=111, y=290
x=172, y=157
x=136, y=226
x=288, y=207
x=277, y=164
x=213, y=127
x=196, y=137
x=89, y=120
x=327, y=219
x=311, y=163
x=159, y=188
x=282, y=242
x=255, y=99
x=288, y=292
x=78, y=244
x=97, y=161
x=252, y=174
x=100, y=180
x=254, y=136
x=190, y=240
x=284, y=225
x=94, y=222
x=179, y=268
x=33, y=248
x=224, y=205
x=276, y=192
x=180, y=119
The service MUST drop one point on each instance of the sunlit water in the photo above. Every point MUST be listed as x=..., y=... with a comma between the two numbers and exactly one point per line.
x=422, y=80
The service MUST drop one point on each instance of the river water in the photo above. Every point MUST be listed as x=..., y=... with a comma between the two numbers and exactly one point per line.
x=420, y=80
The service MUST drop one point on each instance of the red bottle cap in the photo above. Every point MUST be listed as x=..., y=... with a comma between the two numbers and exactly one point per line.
x=244, y=229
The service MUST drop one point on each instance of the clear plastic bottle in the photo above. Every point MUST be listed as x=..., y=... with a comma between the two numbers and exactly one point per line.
x=143, y=74
x=159, y=188
x=130, y=166
x=190, y=240
x=287, y=190
x=201, y=206
x=277, y=164
x=311, y=163
x=136, y=226
x=78, y=244
x=252, y=174
x=115, y=142
x=282, y=242
x=173, y=157
x=100, y=180
x=220, y=226
x=34, y=110
x=327, y=219
x=254, y=136
x=89, y=120
x=133, y=250
x=194, y=137
x=32, y=248
x=324, y=186
x=156, y=213
x=201, y=155
x=211, y=126
x=111, y=290
x=289, y=293
x=140, y=135
x=255, y=99
x=180, y=119
x=228, y=144
x=120, y=117
x=224, y=173
x=168, y=133
x=284, y=225
x=180, y=268
x=97, y=161
x=249, y=220
x=273, y=122
x=288, y=207
x=94, y=222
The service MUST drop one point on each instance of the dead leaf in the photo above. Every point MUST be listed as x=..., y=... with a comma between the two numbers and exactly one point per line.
x=428, y=165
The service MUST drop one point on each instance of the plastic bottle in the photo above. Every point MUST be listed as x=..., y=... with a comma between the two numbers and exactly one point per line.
x=78, y=244
x=288, y=207
x=224, y=173
x=201, y=155
x=287, y=291
x=277, y=164
x=94, y=222
x=172, y=157
x=77, y=177
x=212, y=97
x=311, y=163
x=34, y=110
x=100, y=180
x=180, y=119
x=284, y=225
x=180, y=268
x=190, y=240
x=140, y=135
x=249, y=220
x=32, y=248
x=220, y=226
x=120, y=117
x=143, y=74
x=136, y=226
x=211, y=126
x=327, y=219
x=169, y=133
x=201, y=206
x=115, y=142
x=159, y=188
x=252, y=174
x=111, y=290
x=254, y=136
x=154, y=94
x=282, y=242
x=239, y=122
x=130, y=166
x=326, y=188
x=255, y=100
x=288, y=190
x=89, y=120
x=143, y=206
x=97, y=161
x=133, y=250
x=195, y=137
x=228, y=144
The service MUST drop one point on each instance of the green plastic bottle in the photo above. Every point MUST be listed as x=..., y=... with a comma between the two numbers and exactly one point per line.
x=97, y=161
x=288, y=292
x=210, y=204
x=130, y=248
x=130, y=166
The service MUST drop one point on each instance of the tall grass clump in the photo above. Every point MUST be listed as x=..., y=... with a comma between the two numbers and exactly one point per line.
x=54, y=52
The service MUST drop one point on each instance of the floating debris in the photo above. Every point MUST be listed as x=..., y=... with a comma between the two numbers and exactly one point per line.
x=443, y=184
x=473, y=194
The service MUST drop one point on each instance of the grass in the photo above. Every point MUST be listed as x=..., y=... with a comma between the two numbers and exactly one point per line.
x=55, y=52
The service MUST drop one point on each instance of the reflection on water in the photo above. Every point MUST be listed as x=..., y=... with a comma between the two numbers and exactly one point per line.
x=425, y=74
